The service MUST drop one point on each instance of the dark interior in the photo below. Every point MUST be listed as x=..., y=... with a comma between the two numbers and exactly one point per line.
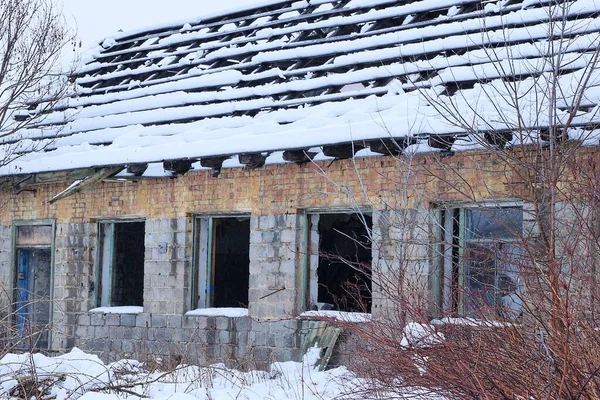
x=344, y=272
x=128, y=270
x=231, y=253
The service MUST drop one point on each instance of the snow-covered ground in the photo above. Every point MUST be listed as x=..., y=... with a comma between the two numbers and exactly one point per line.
x=78, y=375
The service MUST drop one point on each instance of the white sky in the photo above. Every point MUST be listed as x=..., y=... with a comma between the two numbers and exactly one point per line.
x=96, y=19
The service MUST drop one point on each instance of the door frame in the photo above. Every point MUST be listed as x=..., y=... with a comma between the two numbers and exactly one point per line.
x=15, y=265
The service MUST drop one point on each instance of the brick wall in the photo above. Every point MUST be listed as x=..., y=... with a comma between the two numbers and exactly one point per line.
x=276, y=197
x=378, y=182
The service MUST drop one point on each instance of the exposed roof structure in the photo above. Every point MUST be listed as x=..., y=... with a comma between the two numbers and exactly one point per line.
x=303, y=77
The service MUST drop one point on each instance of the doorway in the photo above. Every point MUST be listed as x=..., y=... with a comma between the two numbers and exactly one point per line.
x=33, y=305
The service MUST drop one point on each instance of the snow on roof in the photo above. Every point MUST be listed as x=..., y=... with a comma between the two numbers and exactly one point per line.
x=291, y=76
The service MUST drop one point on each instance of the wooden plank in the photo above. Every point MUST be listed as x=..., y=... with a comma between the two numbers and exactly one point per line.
x=324, y=336
x=87, y=182
x=34, y=235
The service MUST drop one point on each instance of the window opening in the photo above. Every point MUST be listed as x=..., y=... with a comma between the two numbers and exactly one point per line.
x=223, y=262
x=121, y=264
x=33, y=285
x=479, y=263
x=340, y=262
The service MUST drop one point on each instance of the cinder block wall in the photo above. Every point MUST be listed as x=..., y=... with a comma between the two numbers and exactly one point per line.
x=276, y=197
x=166, y=275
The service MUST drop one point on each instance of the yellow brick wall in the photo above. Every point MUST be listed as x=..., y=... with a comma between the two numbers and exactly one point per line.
x=278, y=188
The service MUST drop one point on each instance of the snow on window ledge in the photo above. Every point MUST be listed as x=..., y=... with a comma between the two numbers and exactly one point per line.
x=219, y=312
x=471, y=322
x=337, y=315
x=117, y=310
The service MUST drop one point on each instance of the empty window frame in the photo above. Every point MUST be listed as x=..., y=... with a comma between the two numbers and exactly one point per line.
x=480, y=257
x=339, y=272
x=222, y=261
x=33, y=242
x=121, y=263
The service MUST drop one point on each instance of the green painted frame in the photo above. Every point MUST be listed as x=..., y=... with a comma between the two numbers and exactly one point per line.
x=13, y=264
x=195, y=273
x=99, y=257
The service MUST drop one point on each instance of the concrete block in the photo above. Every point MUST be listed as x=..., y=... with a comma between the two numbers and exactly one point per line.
x=139, y=333
x=162, y=334
x=260, y=339
x=159, y=321
x=254, y=222
x=174, y=321
x=189, y=322
x=224, y=337
x=211, y=323
x=84, y=319
x=223, y=323
x=127, y=348
x=143, y=320
x=243, y=324
x=96, y=319
x=288, y=236
x=212, y=337
x=242, y=351
x=259, y=326
x=256, y=237
x=113, y=319
x=116, y=346
x=128, y=320
x=287, y=354
x=288, y=267
x=285, y=341
x=259, y=251
x=241, y=338
x=100, y=332
x=270, y=237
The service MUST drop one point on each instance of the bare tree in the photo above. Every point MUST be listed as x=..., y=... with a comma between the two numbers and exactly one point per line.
x=507, y=232
x=32, y=80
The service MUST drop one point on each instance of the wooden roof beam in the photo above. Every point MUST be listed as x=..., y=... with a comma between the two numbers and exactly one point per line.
x=253, y=160
x=391, y=146
x=216, y=163
x=342, y=150
x=178, y=167
x=441, y=142
x=299, y=156
x=137, y=169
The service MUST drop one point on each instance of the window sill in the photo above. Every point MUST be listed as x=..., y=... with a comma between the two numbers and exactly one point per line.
x=218, y=312
x=337, y=315
x=117, y=310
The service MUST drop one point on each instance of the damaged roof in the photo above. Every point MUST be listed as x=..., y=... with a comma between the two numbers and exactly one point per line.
x=292, y=80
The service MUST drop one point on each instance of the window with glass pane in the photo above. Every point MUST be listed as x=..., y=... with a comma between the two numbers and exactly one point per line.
x=480, y=259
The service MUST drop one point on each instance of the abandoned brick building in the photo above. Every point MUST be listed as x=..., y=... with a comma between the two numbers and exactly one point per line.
x=202, y=186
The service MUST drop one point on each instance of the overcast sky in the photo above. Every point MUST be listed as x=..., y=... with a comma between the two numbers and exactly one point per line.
x=96, y=19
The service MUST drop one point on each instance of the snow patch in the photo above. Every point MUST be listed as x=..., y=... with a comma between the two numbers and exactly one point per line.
x=338, y=315
x=420, y=335
x=118, y=310
x=230, y=312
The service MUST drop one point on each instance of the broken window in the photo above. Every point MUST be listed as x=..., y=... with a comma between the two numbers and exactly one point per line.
x=340, y=262
x=479, y=261
x=222, y=251
x=33, y=286
x=121, y=264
